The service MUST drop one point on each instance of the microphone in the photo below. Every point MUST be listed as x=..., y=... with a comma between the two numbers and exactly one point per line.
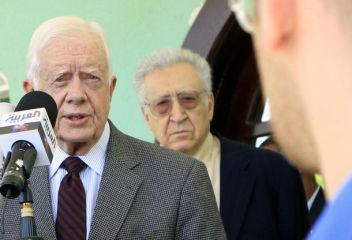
x=28, y=138
x=5, y=107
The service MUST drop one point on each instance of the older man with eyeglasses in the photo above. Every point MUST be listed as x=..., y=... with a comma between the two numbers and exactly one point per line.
x=259, y=195
x=304, y=54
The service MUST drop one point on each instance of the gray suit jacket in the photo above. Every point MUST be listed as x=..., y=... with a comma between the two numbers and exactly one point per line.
x=146, y=192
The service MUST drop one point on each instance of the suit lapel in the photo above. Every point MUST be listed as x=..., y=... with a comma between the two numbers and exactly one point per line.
x=118, y=188
x=237, y=183
x=41, y=194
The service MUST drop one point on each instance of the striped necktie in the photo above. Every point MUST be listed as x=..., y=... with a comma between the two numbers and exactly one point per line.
x=71, y=209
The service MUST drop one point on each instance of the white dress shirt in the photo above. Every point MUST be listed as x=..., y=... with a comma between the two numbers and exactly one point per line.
x=90, y=176
x=209, y=154
x=312, y=198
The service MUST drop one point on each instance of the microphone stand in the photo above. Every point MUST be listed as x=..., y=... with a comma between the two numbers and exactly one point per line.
x=17, y=185
x=28, y=228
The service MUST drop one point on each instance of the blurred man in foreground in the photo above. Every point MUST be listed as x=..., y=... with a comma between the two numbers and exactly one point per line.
x=304, y=54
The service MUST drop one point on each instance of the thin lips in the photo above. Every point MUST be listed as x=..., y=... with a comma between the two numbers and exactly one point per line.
x=81, y=115
x=180, y=131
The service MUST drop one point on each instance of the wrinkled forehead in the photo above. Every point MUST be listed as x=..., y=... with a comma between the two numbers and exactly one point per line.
x=63, y=54
x=181, y=77
x=74, y=43
x=70, y=49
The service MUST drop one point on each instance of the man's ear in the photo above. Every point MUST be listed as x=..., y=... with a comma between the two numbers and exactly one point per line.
x=27, y=85
x=276, y=20
x=146, y=116
x=112, y=85
x=211, y=106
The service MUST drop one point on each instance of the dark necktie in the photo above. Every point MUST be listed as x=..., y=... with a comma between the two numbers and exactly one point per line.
x=71, y=209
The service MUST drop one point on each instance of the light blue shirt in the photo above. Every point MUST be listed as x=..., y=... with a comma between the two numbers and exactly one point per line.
x=336, y=220
x=90, y=176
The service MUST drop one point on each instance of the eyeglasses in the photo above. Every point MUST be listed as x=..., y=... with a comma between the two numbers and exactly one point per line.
x=245, y=13
x=162, y=106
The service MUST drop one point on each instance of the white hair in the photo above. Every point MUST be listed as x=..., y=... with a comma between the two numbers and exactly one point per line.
x=163, y=58
x=60, y=27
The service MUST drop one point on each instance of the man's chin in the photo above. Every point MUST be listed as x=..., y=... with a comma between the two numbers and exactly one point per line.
x=77, y=138
x=185, y=147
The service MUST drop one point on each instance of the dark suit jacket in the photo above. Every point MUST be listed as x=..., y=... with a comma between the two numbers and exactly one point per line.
x=261, y=195
x=317, y=207
x=146, y=192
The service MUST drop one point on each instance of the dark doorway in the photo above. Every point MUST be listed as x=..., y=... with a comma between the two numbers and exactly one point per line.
x=216, y=36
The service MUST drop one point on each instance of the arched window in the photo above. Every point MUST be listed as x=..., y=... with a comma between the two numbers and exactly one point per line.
x=239, y=105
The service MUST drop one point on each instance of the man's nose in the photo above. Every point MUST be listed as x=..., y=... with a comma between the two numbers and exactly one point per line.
x=76, y=91
x=178, y=113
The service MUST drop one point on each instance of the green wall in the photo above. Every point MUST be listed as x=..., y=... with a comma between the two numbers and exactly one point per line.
x=134, y=28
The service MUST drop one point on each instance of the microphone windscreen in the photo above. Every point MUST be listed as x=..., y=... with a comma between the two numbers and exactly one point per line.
x=39, y=99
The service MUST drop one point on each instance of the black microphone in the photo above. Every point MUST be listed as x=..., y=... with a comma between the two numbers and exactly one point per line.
x=28, y=138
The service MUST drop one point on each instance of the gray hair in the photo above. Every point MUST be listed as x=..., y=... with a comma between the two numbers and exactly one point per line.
x=59, y=27
x=163, y=58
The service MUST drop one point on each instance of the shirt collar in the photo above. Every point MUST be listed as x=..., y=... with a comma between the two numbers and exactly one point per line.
x=97, y=153
x=205, y=149
x=312, y=198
